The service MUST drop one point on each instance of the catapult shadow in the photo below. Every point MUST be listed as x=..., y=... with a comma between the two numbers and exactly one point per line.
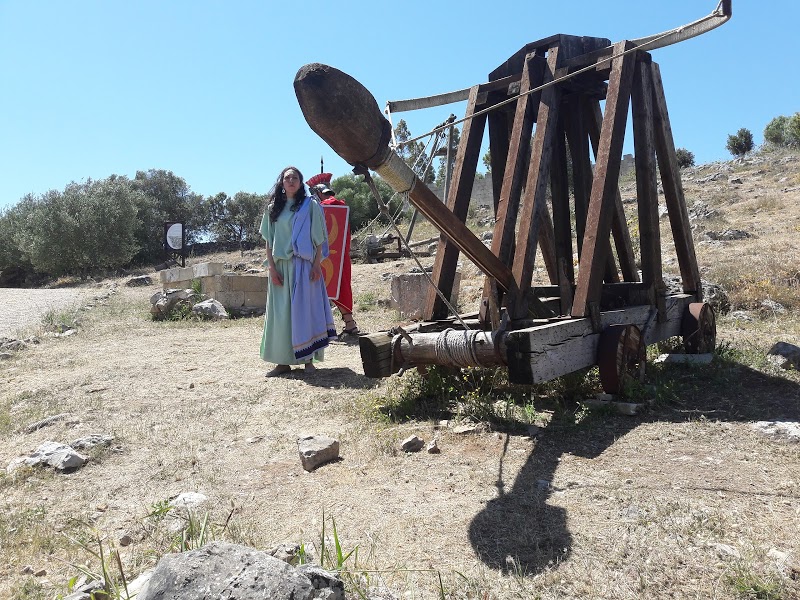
x=519, y=532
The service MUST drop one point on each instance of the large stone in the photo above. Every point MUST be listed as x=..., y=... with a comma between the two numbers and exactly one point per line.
x=211, y=308
x=409, y=291
x=316, y=450
x=207, y=269
x=789, y=354
x=230, y=571
x=59, y=456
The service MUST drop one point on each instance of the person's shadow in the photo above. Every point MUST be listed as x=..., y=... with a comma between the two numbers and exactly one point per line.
x=519, y=532
x=337, y=377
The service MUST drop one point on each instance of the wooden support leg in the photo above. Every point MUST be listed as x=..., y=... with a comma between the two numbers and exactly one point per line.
x=514, y=169
x=673, y=190
x=604, y=185
x=646, y=185
x=538, y=171
x=577, y=136
x=619, y=227
x=559, y=188
x=444, y=268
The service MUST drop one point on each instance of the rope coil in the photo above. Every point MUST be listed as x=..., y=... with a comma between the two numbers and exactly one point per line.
x=457, y=348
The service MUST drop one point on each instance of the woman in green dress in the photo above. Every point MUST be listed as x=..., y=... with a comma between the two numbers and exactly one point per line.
x=298, y=323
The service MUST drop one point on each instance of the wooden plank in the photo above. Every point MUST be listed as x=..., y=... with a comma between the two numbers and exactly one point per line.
x=619, y=226
x=604, y=185
x=516, y=164
x=559, y=192
x=577, y=138
x=536, y=184
x=543, y=353
x=460, y=192
x=376, y=354
x=646, y=184
x=499, y=140
x=673, y=190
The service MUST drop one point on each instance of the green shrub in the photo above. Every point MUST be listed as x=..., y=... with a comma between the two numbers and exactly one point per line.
x=741, y=143
x=685, y=158
x=775, y=131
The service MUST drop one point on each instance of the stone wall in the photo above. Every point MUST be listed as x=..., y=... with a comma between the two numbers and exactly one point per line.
x=234, y=291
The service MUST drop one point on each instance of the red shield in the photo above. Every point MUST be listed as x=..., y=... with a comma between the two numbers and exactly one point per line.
x=337, y=222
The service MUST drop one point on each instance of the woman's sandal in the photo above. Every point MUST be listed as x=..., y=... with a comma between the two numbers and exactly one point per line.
x=279, y=370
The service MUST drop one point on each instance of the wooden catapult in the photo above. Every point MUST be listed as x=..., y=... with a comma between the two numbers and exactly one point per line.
x=543, y=110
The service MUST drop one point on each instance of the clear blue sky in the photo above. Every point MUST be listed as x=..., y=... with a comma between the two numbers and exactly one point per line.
x=204, y=88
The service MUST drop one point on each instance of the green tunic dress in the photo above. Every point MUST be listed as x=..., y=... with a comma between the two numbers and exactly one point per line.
x=276, y=341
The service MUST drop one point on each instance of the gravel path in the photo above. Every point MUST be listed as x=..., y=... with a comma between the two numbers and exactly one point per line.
x=24, y=308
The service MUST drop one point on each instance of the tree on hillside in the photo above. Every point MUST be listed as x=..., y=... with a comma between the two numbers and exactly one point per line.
x=235, y=220
x=685, y=158
x=783, y=131
x=441, y=172
x=487, y=161
x=413, y=154
x=741, y=143
x=12, y=223
x=89, y=226
x=775, y=131
x=793, y=131
x=358, y=196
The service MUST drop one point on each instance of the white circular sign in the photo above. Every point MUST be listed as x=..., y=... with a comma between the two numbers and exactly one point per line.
x=175, y=236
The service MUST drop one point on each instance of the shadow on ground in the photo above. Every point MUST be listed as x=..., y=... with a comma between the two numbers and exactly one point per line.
x=518, y=532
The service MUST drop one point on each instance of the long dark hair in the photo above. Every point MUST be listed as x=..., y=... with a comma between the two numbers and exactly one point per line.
x=278, y=198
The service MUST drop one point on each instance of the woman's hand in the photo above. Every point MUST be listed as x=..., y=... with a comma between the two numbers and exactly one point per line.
x=316, y=271
x=275, y=276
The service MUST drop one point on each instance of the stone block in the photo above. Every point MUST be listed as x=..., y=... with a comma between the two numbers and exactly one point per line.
x=210, y=285
x=170, y=276
x=255, y=299
x=207, y=269
x=249, y=283
x=409, y=291
x=230, y=299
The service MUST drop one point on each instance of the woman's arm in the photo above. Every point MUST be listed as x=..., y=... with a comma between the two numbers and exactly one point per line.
x=316, y=266
x=274, y=274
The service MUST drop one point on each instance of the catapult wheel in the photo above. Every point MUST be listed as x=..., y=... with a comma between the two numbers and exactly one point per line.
x=699, y=328
x=620, y=356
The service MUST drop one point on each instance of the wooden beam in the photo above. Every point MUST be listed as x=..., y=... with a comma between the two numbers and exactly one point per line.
x=619, y=226
x=646, y=184
x=673, y=190
x=577, y=137
x=499, y=140
x=514, y=169
x=536, y=184
x=559, y=192
x=604, y=185
x=548, y=351
x=459, y=194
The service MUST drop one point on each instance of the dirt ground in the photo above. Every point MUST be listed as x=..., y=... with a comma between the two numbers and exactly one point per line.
x=687, y=500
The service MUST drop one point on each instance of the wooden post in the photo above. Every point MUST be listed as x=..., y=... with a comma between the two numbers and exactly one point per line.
x=604, y=186
x=538, y=171
x=646, y=185
x=459, y=194
x=673, y=190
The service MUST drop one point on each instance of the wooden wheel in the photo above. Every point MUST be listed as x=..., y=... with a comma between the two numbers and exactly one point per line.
x=620, y=356
x=699, y=328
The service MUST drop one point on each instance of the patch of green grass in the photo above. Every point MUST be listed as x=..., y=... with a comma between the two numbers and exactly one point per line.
x=752, y=586
x=31, y=589
x=366, y=301
x=60, y=320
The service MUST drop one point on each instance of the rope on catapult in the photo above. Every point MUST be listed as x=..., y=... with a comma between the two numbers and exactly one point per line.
x=454, y=347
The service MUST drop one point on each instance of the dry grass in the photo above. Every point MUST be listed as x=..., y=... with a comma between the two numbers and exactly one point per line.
x=685, y=501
